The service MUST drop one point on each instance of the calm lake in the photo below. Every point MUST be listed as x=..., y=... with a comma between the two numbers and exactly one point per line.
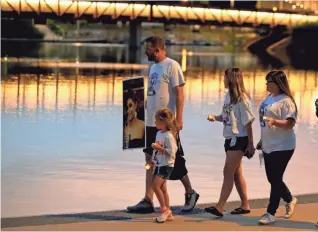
x=62, y=137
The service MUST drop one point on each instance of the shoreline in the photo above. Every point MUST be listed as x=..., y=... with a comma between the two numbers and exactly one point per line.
x=83, y=42
x=122, y=215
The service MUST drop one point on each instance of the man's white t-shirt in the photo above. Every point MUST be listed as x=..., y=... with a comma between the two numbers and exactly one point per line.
x=241, y=112
x=277, y=139
x=163, y=77
x=168, y=142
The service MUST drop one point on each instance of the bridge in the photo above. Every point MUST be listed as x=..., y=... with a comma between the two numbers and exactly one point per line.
x=138, y=12
x=149, y=12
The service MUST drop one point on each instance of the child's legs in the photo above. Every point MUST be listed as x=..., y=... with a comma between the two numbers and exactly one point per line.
x=157, y=185
x=165, y=194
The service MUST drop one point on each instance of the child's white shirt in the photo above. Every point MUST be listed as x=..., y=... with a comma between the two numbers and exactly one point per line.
x=169, y=143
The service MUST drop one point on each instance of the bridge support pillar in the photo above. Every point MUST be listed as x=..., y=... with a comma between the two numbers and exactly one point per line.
x=135, y=42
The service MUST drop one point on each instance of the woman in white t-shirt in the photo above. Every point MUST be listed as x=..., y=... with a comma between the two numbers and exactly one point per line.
x=278, y=114
x=237, y=118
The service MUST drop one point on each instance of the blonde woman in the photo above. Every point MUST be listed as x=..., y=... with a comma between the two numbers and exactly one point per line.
x=237, y=118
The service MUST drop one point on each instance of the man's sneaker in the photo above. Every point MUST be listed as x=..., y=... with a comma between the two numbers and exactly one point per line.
x=290, y=208
x=143, y=206
x=165, y=215
x=190, y=201
x=267, y=219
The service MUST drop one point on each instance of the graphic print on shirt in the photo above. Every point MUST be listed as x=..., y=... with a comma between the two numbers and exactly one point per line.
x=153, y=78
x=226, y=114
x=155, y=159
x=156, y=153
x=262, y=111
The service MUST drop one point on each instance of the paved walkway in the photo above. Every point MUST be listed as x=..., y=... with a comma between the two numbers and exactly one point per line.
x=304, y=218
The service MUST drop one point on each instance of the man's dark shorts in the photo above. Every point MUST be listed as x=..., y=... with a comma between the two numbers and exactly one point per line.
x=151, y=133
x=179, y=170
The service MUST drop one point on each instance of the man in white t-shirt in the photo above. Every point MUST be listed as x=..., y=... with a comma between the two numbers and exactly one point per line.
x=165, y=90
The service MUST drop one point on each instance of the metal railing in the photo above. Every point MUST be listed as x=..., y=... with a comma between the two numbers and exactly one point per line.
x=151, y=12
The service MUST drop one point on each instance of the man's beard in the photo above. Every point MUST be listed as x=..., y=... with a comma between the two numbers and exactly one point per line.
x=151, y=58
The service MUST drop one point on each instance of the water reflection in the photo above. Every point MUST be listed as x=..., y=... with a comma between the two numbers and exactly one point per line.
x=196, y=56
x=66, y=51
x=86, y=92
x=61, y=150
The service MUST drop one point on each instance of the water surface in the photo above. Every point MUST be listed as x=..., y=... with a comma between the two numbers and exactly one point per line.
x=61, y=140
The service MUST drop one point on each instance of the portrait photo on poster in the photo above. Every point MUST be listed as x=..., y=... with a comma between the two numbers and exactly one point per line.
x=133, y=113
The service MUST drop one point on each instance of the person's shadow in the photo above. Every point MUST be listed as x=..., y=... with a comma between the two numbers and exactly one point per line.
x=251, y=221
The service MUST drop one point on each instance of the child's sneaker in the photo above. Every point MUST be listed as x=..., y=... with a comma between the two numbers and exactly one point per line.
x=170, y=217
x=267, y=219
x=290, y=208
x=164, y=216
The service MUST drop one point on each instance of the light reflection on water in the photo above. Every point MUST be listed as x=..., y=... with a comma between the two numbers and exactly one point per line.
x=61, y=143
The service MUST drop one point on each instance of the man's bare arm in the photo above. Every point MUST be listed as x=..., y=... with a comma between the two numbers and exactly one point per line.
x=178, y=90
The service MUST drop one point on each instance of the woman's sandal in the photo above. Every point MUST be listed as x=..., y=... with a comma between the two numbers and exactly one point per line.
x=214, y=211
x=240, y=211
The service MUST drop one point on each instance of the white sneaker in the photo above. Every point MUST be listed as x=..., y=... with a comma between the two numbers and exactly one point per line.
x=290, y=208
x=164, y=216
x=170, y=217
x=267, y=219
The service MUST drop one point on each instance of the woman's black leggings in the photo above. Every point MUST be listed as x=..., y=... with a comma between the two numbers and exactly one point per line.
x=275, y=166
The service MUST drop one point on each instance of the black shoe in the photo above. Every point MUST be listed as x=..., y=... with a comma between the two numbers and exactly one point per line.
x=143, y=206
x=190, y=201
x=214, y=211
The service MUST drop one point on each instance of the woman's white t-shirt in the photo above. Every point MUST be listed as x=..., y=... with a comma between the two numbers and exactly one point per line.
x=277, y=139
x=236, y=116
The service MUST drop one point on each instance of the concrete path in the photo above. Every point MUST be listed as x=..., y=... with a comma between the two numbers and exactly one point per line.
x=304, y=218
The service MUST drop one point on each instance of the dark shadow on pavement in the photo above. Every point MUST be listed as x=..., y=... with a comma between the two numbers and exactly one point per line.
x=247, y=221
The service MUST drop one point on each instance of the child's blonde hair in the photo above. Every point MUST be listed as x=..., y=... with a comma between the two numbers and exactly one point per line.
x=167, y=117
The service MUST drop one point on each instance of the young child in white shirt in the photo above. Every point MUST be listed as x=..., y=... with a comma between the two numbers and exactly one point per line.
x=163, y=157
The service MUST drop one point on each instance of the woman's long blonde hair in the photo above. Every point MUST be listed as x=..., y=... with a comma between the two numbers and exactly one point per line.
x=167, y=117
x=236, y=85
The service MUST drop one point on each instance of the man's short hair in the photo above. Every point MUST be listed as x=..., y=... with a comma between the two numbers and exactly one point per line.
x=157, y=42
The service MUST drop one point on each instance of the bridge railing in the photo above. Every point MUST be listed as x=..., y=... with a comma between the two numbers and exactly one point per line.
x=150, y=12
